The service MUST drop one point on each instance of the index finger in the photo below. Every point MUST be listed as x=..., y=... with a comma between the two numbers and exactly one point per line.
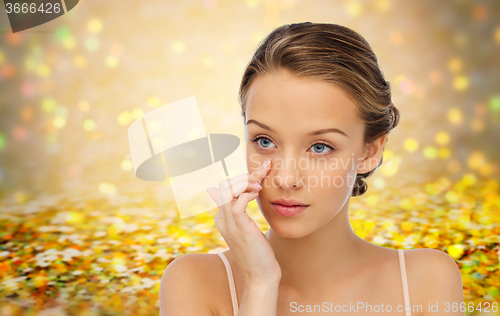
x=261, y=172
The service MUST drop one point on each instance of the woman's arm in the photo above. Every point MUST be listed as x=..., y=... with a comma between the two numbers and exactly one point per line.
x=259, y=299
x=183, y=289
x=443, y=283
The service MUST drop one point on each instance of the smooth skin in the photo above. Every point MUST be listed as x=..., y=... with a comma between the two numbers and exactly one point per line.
x=313, y=257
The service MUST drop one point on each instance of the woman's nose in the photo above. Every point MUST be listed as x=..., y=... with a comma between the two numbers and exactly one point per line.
x=287, y=174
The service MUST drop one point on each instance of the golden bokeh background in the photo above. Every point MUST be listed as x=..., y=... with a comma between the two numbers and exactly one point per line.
x=81, y=235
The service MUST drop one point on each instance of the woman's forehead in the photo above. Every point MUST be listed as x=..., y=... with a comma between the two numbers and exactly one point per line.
x=287, y=98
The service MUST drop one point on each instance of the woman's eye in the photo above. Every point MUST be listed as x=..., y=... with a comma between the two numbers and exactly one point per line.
x=264, y=142
x=319, y=148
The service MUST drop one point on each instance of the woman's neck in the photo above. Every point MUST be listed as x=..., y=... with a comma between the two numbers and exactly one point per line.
x=330, y=255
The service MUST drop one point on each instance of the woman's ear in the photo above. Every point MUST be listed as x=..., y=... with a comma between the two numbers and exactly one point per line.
x=373, y=155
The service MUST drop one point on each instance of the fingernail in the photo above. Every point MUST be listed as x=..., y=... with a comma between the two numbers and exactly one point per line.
x=267, y=163
x=257, y=184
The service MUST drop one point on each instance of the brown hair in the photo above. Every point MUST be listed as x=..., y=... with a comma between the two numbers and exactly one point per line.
x=335, y=54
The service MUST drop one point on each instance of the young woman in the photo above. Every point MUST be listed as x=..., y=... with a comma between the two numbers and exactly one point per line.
x=316, y=106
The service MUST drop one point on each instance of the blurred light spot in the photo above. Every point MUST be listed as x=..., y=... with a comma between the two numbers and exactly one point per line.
x=379, y=183
x=137, y=113
x=444, y=153
x=406, y=86
x=94, y=26
x=74, y=217
x=117, y=50
x=496, y=35
x=28, y=89
x=19, y=133
x=455, y=251
x=455, y=64
x=407, y=226
x=62, y=33
x=477, y=125
x=84, y=105
x=111, y=61
x=452, y=196
x=59, y=122
x=455, y=116
x=126, y=164
x=69, y=43
x=27, y=114
x=435, y=77
x=48, y=105
x=360, y=214
x=107, y=188
x=13, y=39
x=372, y=199
x=411, y=144
x=430, y=241
x=209, y=4
x=454, y=166
x=494, y=103
x=442, y=138
x=430, y=152
x=80, y=61
x=20, y=197
x=369, y=224
x=396, y=38
x=476, y=160
x=460, y=83
x=251, y=3
x=383, y=5
x=7, y=71
x=92, y=44
x=153, y=102
x=391, y=166
x=388, y=224
x=178, y=47
x=124, y=118
x=88, y=125
x=486, y=169
x=354, y=8
x=43, y=70
x=469, y=179
x=207, y=61
x=2, y=57
x=2, y=141
x=387, y=154
x=480, y=12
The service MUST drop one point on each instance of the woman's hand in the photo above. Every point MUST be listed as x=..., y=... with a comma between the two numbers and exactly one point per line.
x=250, y=247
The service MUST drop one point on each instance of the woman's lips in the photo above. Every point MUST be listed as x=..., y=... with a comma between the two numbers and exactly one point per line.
x=288, y=211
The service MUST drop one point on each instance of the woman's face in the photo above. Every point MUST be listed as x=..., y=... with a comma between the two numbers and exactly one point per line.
x=317, y=169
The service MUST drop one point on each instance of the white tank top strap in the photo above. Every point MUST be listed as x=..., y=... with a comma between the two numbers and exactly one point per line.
x=232, y=287
x=406, y=293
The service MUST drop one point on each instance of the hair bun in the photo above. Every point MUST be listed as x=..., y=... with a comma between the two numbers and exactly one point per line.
x=360, y=186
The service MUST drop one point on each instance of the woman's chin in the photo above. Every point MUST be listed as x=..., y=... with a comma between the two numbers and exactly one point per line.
x=288, y=229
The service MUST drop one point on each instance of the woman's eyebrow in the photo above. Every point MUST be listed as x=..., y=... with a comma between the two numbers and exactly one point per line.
x=314, y=133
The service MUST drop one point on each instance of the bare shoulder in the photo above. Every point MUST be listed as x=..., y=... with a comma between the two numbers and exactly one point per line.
x=187, y=285
x=434, y=277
